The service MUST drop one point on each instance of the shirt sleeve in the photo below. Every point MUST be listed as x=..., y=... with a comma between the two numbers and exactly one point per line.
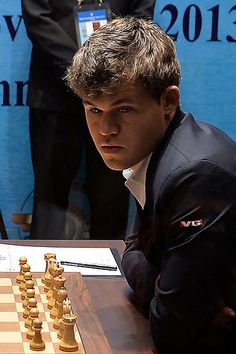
x=140, y=273
x=46, y=32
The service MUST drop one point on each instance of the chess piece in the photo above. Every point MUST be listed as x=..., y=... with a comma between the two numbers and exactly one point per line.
x=33, y=314
x=66, y=311
x=47, y=256
x=30, y=293
x=27, y=278
x=48, y=277
x=68, y=342
x=29, y=284
x=31, y=303
x=58, y=283
x=25, y=269
x=37, y=342
x=22, y=261
x=61, y=296
x=54, y=270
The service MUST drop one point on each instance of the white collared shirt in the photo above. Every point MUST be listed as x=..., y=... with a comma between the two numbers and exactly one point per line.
x=136, y=180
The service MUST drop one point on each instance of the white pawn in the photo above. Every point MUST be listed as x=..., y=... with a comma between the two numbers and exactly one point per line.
x=22, y=261
x=34, y=313
x=29, y=284
x=61, y=296
x=30, y=293
x=27, y=277
x=58, y=283
x=37, y=342
x=31, y=303
x=25, y=269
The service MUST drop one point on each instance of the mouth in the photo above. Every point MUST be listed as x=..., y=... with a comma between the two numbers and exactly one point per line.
x=111, y=149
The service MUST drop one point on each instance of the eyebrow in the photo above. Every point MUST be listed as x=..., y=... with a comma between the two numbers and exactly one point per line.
x=115, y=103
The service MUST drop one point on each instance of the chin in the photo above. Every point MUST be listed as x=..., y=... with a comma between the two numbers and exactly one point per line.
x=113, y=165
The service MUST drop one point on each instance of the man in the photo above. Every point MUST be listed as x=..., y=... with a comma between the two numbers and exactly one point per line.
x=181, y=251
x=57, y=130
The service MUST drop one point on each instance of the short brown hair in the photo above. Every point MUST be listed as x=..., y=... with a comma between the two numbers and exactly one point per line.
x=125, y=49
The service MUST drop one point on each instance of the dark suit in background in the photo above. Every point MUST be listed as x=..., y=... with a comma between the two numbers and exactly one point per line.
x=57, y=125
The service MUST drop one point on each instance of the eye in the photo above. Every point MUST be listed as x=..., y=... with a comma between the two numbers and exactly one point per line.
x=94, y=110
x=125, y=109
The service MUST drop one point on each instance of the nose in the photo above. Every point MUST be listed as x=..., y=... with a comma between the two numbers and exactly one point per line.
x=108, y=125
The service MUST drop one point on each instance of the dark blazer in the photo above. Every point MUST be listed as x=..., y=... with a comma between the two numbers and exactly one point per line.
x=180, y=252
x=51, y=29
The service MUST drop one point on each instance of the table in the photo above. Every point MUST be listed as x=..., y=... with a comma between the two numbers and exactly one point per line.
x=126, y=329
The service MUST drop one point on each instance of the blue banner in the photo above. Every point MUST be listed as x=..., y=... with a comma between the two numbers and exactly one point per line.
x=16, y=178
x=205, y=38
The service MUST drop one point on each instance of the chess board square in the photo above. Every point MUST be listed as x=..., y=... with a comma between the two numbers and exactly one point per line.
x=54, y=337
x=19, y=307
x=48, y=318
x=8, y=317
x=16, y=290
x=23, y=329
x=10, y=337
x=7, y=307
x=8, y=348
x=44, y=298
x=40, y=307
x=18, y=298
x=45, y=327
x=38, y=297
x=5, y=282
x=49, y=349
x=6, y=290
x=7, y=298
x=39, y=282
x=10, y=327
x=36, y=289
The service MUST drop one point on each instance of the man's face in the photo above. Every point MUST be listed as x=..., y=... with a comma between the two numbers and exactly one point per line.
x=126, y=126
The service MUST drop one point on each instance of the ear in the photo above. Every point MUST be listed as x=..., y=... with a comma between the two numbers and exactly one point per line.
x=170, y=100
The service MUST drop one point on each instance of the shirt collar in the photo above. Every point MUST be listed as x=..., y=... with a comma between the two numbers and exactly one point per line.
x=136, y=180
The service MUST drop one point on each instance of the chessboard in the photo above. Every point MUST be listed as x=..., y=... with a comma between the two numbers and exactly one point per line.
x=89, y=333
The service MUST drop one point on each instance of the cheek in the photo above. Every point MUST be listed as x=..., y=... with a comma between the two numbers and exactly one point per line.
x=94, y=133
x=91, y=126
x=149, y=137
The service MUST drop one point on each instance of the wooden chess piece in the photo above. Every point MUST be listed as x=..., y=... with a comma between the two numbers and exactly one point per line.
x=30, y=293
x=54, y=270
x=48, y=277
x=31, y=303
x=66, y=311
x=27, y=277
x=68, y=342
x=47, y=256
x=29, y=284
x=58, y=283
x=34, y=313
x=25, y=269
x=22, y=261
x=61, y=296
x=37, y=342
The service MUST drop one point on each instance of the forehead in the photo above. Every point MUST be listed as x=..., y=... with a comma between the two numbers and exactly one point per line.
x=126, y=93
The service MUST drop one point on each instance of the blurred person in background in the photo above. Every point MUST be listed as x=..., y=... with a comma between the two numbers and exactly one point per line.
x=57, y=128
